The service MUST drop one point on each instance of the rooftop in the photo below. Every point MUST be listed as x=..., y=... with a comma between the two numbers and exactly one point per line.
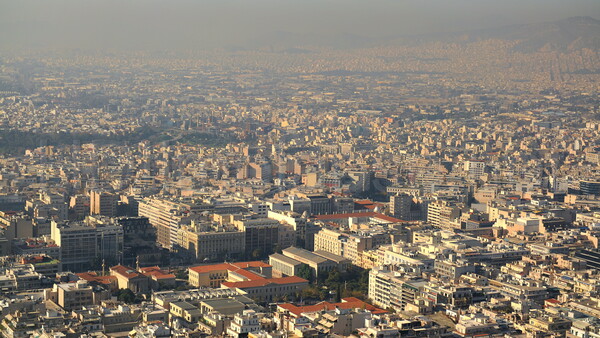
x=125, y=271
x=285, y=259
x=156, y=272
x=346, y=303
x=358, y=215
x=93, y=277
x=265, y=282
x=230, y=267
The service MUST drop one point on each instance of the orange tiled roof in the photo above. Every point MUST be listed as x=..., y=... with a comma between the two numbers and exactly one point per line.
x=347, y=303
x=264, y=282
x=239, y=268
x=251, y=264
x=93, y=277
x=125, y=271
x=156, y=272
x=247, y=274
x=210, y=268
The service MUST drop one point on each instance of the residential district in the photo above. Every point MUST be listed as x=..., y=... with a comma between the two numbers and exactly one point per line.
x=267, y=194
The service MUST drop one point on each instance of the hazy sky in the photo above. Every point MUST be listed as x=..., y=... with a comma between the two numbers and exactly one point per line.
x=191, y=24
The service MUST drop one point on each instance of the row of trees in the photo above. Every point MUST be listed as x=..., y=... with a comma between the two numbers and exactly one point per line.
x=16, y=141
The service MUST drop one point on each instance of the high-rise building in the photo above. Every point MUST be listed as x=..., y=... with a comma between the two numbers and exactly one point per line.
x=441, y=212
x=103, y=203
x=82, y=245
x=139, y=238
x=167, y=217
x=400, y=206
x=15, y=225
x=591, y=257
x=77, y=244
x=589, y=187
x=262, y=171
x=79, y=206
x=110, y=242
x=261, y=234
x=390, y=289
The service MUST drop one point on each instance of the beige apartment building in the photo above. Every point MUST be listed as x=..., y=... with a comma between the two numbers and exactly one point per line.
x=212, y=245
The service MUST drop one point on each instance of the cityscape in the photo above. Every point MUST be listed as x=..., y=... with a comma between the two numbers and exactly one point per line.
x=439, y=185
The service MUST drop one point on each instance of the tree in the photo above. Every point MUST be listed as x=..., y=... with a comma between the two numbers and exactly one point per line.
x=183, y=287
x=126, y=296
x=351, y=283
x=305, y=272
x=278, y=249
x=181, y=274
x=310, y=292
x=333, y=278
x=257, y=253
x=323, y=294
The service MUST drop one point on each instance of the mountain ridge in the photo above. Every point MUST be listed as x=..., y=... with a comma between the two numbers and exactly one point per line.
x=573, y=33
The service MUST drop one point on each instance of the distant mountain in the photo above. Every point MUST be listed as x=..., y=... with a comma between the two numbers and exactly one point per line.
x=564, y=35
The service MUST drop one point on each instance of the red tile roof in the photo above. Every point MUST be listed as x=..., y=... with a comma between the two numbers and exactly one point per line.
x=251, y=264
x=210, y=268
x=364, y=202
x=239, y=268
x=93, y=277
x=156, y=272
x=125, y=271
x=249, y=275
x=347, y=303
x=364, y=205
x=264, y=282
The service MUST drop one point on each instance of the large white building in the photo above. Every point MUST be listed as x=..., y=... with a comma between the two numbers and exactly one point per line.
x=167, y=217
x=390, y=289
x=81, y=245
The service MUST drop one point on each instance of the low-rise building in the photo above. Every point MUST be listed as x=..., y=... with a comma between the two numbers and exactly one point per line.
x=71, y=296
x=244, y=324
x=189, y=312
x=318, y=264
x=268, y=290
x=213, y=275
x=128, y=278
x=284, y=266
